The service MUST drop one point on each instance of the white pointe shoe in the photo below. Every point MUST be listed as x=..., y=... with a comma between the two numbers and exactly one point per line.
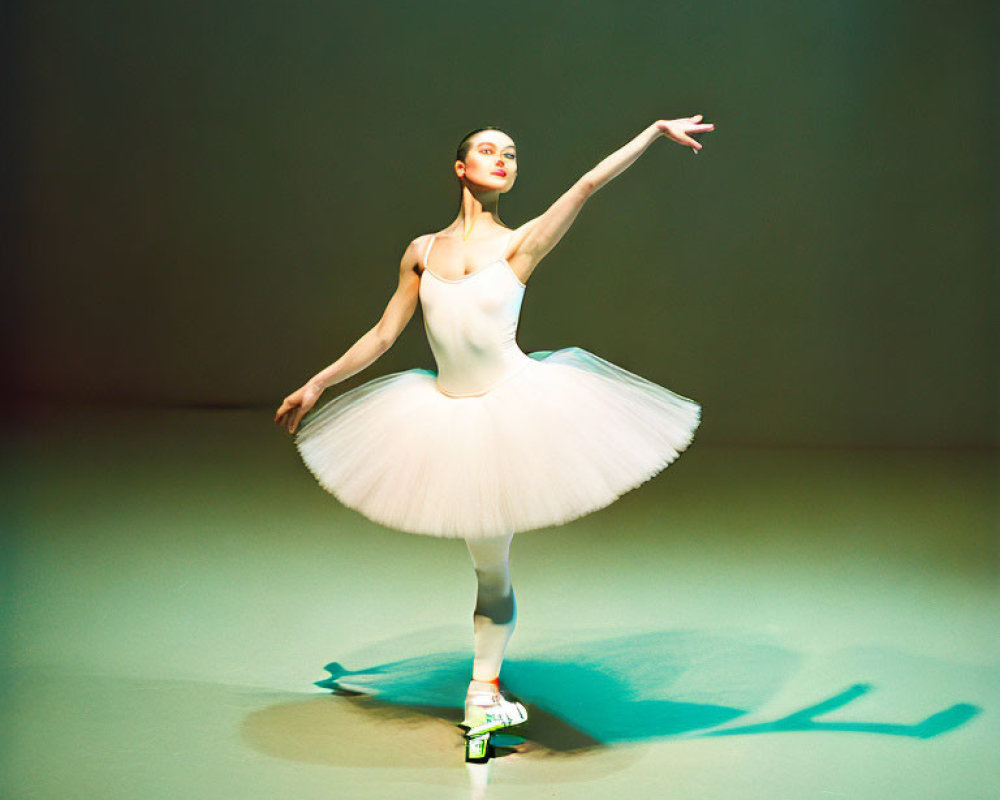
x=491, y=711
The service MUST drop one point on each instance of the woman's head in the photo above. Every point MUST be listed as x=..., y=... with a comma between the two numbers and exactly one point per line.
x=486, y=159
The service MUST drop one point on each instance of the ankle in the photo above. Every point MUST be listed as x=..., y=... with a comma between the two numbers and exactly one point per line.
x=484, y=687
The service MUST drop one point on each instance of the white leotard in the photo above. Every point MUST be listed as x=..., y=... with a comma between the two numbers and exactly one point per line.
x=471, y=326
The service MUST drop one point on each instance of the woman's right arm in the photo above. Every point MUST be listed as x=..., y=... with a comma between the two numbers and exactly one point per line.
x=365, y=351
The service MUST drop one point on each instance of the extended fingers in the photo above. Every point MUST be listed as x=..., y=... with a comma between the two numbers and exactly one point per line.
x=694, y=143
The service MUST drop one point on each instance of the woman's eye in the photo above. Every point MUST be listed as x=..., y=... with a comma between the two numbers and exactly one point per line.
x=510, y=155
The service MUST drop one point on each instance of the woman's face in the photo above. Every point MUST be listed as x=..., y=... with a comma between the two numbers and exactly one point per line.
x=491, y=161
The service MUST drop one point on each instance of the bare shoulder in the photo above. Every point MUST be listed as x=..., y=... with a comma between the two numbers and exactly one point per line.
x=421, y=243
x=519, y=257
x=413, y=256
x=522, y=232
x=524, y=227
x=417, y=247
x=521, y=236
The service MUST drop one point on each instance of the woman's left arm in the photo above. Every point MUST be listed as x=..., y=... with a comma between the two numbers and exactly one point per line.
x=544, y=232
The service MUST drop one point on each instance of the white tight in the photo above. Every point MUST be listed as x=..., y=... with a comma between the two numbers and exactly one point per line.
x=496, y=612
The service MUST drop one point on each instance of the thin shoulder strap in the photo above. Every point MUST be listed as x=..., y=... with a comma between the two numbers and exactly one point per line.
x=427, y=252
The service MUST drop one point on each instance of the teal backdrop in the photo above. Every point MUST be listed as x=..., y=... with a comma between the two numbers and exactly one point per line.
x=212, y=199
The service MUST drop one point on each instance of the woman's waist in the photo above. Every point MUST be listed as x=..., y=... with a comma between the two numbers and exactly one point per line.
x=475, y=372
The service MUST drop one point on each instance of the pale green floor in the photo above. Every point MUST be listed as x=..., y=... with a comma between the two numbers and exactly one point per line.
x=175, y=582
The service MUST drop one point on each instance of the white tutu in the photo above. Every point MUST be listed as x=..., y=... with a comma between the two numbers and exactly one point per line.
x=561, y=437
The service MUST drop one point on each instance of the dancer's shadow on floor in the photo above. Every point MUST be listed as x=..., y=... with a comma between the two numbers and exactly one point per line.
x=583, y=694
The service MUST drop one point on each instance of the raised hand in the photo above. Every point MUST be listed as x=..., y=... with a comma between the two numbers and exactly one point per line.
x=296, y=406
x=680, y=130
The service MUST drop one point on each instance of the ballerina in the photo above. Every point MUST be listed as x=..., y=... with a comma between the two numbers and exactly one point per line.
x=495, y=441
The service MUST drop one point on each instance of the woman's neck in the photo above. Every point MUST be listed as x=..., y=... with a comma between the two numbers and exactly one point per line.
x=479, y=212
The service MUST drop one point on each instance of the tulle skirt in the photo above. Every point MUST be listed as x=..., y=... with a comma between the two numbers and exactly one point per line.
x=566, y=435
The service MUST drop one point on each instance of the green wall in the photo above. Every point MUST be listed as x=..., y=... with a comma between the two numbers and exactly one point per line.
x=214, y=198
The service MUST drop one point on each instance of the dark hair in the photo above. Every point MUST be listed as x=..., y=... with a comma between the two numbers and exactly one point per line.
x=466, y=143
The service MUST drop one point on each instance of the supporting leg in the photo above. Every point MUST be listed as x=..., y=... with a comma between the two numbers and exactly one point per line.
x=495, y=614
x=486, y=708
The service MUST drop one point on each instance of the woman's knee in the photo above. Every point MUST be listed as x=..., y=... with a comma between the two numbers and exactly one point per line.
x=500, y=608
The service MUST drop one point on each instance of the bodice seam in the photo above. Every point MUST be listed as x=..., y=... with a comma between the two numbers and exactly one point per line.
x=490, y=388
